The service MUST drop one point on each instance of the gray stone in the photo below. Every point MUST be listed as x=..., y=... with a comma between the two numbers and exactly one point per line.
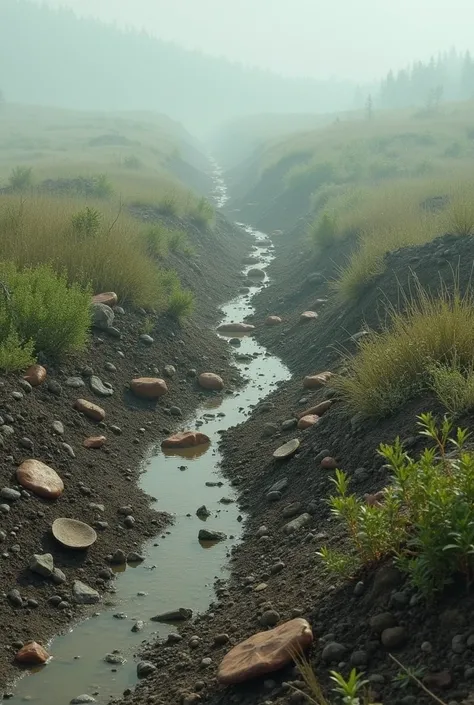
x=359, y=658
x=135, y=557
x=14, y=598
x=333, y=652
x=208, y=535
x=102, y=389
x=75, y=382
x=54, y=387
x=118, y=557
x=58, y=576
x=110, y=367
x=169, y=370
x=145, y=669
x=80, y=699
x=102, y=316
x=273, y=496
x=277, y=568
x=26, y=443
x=394, y=637
x=321, y=455
x=269, y=429
x=18, y=396
x=380, y=622
x=43, y=564
x=288, y=424
x=458, y=644
x=4, y=508
x=115, y=333
x=298, y=523
x=10, y=494
x=179, y=615
x=359, y=589
x=291, y=510
x=83, y=594
x=279, y=486
x=129, y=521
x=138, y=626
x=25, y=385
x=115, y=658
x=203, y=512
x=57, y=427
x=261, y=531
x=175, y=411
x=68, y=449
x=269, y=618
x=7, y=430
x=146, y=339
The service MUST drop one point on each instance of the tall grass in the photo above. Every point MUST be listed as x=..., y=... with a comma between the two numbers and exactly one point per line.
x=42, y=230
x=396, y=364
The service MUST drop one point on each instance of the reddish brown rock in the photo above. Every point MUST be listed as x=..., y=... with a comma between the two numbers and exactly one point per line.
x=185, y=439
x=209, y=380
x=35, y=375
x=40, y=479
x=149, y=387
x=236, y=327
x=318, y=410
x=308, y=421
x=32, y=654
x=273, y=321
x=265, y=652
x=316, y=381
x=109, y=298
x=328, y=463
x=307, y=316
x=92, y=411
x=94, y=441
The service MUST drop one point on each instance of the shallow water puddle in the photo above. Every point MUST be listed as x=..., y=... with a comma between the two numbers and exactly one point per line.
x=179, y=571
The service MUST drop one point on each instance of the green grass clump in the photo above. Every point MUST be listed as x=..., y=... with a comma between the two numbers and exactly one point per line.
x=323, y=231
x=202, y=213
x=15, y=354
x=41, y=307
x=453, y=386
x=426, y=516
x=180, y=302
x=21, y=178
x=395, y=365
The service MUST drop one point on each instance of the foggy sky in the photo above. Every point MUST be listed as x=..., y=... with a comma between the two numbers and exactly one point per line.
x=358, y=39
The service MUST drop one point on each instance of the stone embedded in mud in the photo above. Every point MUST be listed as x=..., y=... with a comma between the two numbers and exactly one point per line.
x=203, y=512
x=307, y=316
x=32, y=653
x=287, y=449
x=180, y=615
x=42, y=564
x=94, y=442
x=329, y=463
x=318, y=409
x=148, y=387
x=333, y=652
x=316, y=381
x=92, y=411
x=209, y=380
x=83, y=594
x=381, y=622
x=102, y=389
x=236, y=327
x=308, y=421
x=298, y=523
x=35, y=375
x=145, y=669
x=394, y=637
x=109, y=298
x=185, y=439
x=265, y=652
x=40, y=479
x=273, y=321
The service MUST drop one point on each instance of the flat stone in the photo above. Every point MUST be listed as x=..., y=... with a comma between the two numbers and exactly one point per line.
x=273, y=321
x=94, y=442
x=108, y=298
x=307, y=421
x=99, y=387
x=269, y=429
x=279, y=486
x=83, y=594
x=40, y=479
x=235, y=327
x=291, y=510
x=287, y=449
x=80, y=699
x=75, y=382
x=318, y=409
x=10, y=494
x=185, y=439
x=180, y=615
x=308, y=316
x=316, y=381
x=298, y=523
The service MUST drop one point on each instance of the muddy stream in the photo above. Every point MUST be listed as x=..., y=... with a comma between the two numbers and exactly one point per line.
x=178, y=570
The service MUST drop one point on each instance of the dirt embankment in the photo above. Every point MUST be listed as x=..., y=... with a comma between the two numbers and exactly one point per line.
x=43, y=424
x=276, y=575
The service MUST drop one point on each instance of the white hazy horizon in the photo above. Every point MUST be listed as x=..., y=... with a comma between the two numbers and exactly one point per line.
x=348, y=39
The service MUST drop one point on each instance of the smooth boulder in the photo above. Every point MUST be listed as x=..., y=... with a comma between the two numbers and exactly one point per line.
x=109, y=298
x=316, y=381
x=307, y=316
x=40, y=479
x=256, y=273
x=35, y=375
x=92, y=411
x=273, y=321
x=318, y=409
x=209, y=380
x=236, y=327
x=32, y=654
x=102, y=316
x=265, y=652
x=148, y=387
x=308, y=421
x=185, y=439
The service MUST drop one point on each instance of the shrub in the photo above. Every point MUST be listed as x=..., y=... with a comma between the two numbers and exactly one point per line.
x=15, y=354
x=426, y=518
x=99, y=186
x=460, y=215
x=202, y=214
x=395, y=365
x=180, y=302
x=323, y=231
x=86, y=223
x=453, y=386
x=43, y=308
x=168, y=205
x=21, y=178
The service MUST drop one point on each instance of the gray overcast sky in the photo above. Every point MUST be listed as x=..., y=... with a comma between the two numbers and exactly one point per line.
x=359, y=39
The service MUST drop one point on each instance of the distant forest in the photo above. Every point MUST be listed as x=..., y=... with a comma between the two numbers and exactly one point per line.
x=53, y=57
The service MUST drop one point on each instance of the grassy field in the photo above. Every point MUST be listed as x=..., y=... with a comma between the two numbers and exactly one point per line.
x=67, y=180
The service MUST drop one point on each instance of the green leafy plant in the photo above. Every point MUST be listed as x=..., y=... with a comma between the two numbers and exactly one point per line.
x=406, y=676
x=21, y=178
x=86, y=222
x=426, y=517
x=147, y=325
x=15, y=354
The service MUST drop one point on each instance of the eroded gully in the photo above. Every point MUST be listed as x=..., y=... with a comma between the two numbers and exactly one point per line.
x=178, y=570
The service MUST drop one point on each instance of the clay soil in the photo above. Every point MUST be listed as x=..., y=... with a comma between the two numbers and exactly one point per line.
x=106, y=476
x=283, y=572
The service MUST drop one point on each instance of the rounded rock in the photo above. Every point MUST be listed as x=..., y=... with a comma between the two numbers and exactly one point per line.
x=211, y=381
x=149, y=387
